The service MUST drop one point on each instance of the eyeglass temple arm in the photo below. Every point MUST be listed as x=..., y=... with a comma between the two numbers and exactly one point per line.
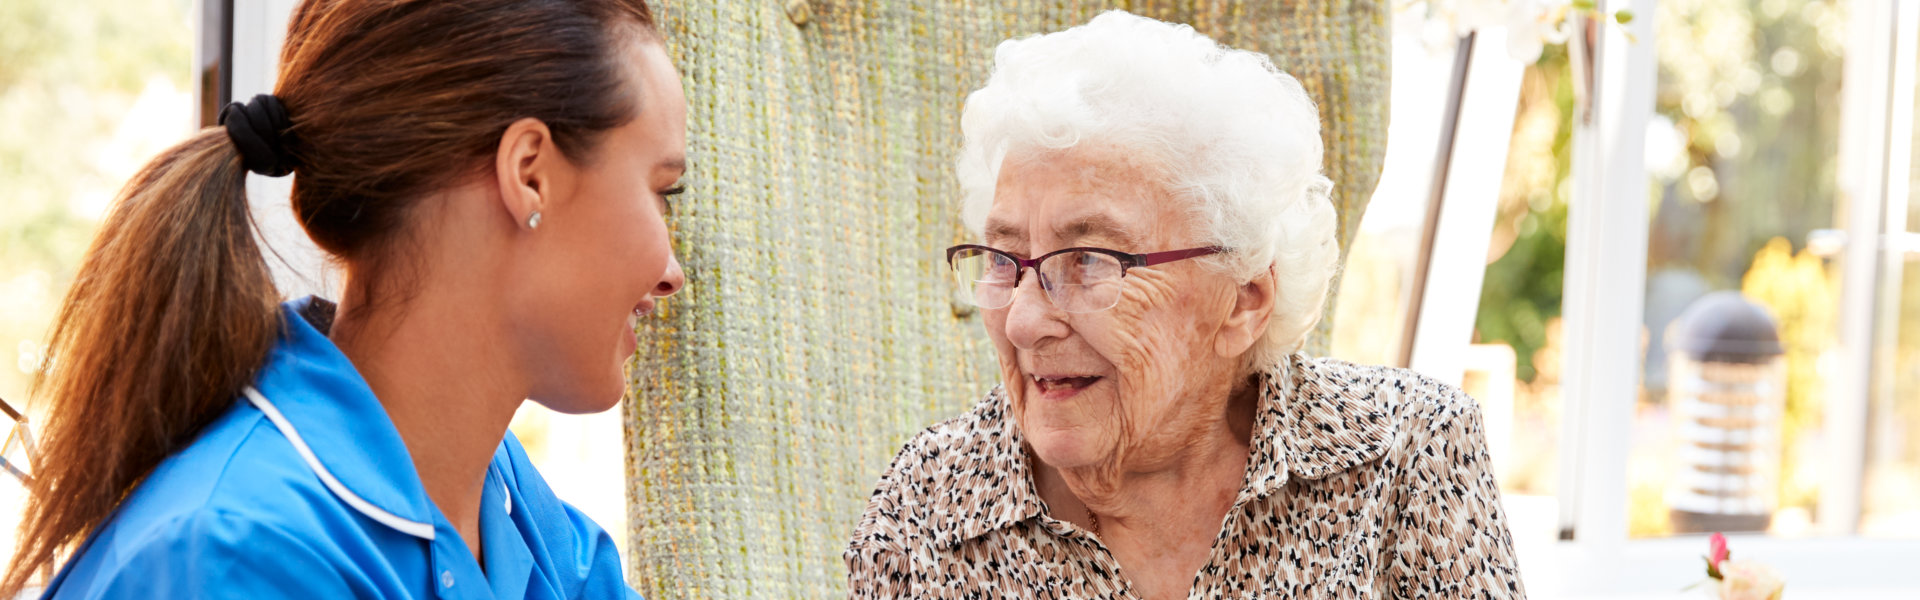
x=8, y=408
x=1155, y=258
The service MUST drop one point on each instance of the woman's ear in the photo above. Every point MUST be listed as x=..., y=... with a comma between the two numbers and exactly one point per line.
x=1247, y=320
x=525, y=168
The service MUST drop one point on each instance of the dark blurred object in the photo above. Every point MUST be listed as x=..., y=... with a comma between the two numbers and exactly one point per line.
x=1726, y=381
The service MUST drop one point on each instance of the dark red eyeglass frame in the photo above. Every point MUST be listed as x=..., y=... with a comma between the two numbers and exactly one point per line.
x=1127, y=260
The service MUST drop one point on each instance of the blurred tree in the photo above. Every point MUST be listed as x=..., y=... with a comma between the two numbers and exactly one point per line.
x=1521, y=294
x=1797, y=289
x=1752, y=87
x=1747, y=99
x=84, y=88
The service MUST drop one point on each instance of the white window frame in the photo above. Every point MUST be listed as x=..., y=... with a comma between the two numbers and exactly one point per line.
x=1484, y=99
x=1876, y=155
x=299, y=267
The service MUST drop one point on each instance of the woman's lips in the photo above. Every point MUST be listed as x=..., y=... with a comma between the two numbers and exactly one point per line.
x=1062, y=387
x=630, y=342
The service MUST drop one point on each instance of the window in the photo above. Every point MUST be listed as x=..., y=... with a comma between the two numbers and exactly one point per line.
x=1732, y=146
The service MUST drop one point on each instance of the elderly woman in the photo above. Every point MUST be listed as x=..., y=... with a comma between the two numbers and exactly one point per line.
x=1157, y=241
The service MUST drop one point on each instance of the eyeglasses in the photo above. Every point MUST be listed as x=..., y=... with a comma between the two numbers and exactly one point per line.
x=1077, y=280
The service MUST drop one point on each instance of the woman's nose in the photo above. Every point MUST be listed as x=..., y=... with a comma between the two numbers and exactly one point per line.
x=1032, y=319
x=673, y=281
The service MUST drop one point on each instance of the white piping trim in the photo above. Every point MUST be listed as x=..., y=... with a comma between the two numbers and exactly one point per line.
x=414, y=528
x=507, y=494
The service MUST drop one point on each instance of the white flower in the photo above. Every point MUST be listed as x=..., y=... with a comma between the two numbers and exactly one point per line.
x=1530, y=24
x=1470, y=15
x=1749, y=580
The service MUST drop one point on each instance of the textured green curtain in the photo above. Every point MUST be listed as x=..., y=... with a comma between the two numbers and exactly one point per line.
x=818, y=331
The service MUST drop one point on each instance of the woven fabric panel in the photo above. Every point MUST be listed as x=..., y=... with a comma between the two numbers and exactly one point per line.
x=818, y=330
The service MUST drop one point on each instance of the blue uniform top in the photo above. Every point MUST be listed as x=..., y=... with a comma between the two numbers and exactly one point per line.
x=304, y=490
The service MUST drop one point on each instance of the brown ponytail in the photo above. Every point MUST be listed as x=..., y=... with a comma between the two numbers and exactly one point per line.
x=170, y=315
x=173, y=310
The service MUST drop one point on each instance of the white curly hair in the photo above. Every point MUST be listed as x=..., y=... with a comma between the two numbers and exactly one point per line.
x=1238, y=138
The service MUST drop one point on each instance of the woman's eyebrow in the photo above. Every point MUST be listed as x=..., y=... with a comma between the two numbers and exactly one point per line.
x=1002, y=231
x=676, y=164
x=1094, y=225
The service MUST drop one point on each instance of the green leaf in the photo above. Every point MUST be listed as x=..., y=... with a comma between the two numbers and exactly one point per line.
x=1585, y=5
x=1712, y=571
x=1623, y=17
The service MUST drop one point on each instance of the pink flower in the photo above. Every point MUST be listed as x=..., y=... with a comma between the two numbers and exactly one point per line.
x=1716, y=550
x=1739, y=579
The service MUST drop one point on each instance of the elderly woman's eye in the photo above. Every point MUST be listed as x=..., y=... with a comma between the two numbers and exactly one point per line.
x=999, y=268
x=1089, y=267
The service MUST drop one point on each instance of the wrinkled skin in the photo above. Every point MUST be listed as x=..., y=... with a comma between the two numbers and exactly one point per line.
x=1153, y=407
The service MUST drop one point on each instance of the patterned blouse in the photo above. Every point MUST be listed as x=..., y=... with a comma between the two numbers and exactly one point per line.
x=1363, y=482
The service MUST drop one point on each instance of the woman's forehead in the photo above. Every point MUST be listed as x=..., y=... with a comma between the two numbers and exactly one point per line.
x=1070, y=222
x=1083, y=195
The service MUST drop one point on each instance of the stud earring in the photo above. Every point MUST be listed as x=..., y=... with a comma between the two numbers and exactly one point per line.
x=533, y=220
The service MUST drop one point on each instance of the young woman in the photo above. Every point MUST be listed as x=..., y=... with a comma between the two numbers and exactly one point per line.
x=491, y=175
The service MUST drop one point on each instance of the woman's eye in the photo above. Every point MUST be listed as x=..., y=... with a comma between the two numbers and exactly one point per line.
x=666, y=195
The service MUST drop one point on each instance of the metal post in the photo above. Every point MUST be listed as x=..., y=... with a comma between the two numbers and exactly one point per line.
x=212, y=60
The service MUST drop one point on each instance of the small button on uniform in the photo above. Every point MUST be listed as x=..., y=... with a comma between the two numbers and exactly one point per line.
x=446, y=578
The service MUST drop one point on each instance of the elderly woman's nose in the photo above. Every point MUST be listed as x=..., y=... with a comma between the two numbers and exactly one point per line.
x=672, y=281
x=1032, y=318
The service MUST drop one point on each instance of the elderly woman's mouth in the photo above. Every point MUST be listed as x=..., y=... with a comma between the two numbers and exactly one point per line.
x=1058, y=387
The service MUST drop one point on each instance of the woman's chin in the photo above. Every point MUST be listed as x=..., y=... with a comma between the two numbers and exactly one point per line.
x=586, y=401
x=1065, y=449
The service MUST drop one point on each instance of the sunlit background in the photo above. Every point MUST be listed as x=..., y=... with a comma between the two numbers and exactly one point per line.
x=1742, y=157
x=89, y=90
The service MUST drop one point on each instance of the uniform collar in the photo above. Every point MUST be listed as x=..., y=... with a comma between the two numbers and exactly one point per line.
x=1313, y=420
x=313, y=394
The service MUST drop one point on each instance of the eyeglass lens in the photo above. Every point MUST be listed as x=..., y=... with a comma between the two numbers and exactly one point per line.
x=1077, y=282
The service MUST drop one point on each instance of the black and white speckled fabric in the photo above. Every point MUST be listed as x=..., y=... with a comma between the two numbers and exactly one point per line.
x=1363, y=482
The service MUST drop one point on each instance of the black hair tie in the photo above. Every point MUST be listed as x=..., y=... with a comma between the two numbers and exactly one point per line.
x=259, y=129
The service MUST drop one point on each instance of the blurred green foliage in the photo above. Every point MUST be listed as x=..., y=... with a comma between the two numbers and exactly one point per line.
x=70, y=71
x=1749, y=89
x=1521, y=295
x=1800, y=292
x=1753, y=87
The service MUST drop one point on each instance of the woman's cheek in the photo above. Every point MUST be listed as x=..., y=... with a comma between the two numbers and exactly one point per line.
x=1136, y=338
x=1011, y=379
